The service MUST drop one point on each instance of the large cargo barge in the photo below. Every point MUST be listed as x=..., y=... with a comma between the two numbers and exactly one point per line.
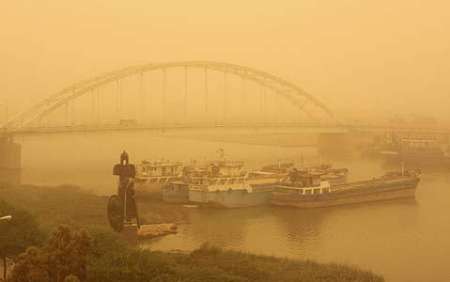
x=227, y=185
x=225, y=194
x=306, y=190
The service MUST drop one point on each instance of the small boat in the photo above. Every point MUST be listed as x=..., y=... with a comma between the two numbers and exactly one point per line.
x=308, y=190
x=151, y=176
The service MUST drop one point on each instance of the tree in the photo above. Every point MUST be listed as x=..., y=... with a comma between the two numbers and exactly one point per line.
x=68, y=250
x=63, y=258
x=17, y=234
x=32, y=265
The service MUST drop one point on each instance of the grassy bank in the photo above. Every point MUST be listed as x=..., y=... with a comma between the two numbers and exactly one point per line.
x=53, y=206
x=110, y=259
x=213, y=264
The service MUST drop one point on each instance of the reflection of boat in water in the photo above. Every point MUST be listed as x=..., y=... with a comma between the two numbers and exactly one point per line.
x=227, y=185
x=151, y=176
x=307, y=190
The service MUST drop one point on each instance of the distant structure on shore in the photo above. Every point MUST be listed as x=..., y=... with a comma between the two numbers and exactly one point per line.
x=10, y=160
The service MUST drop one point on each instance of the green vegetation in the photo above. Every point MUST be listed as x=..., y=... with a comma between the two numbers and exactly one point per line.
x=54, y=206
x=62, y=258
x=212, y=264
x=16, y=235
x=71, y=254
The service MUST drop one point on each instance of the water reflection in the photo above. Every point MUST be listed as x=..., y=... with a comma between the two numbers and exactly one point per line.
x=223, y=227
x=364, y=235
x=300, y=227
x=402, y=240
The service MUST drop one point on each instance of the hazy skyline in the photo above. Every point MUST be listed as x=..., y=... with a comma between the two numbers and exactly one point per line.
x=383, y=56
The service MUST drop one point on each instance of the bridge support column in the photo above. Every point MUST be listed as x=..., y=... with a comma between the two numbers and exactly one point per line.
x=206, y=91
x=10, y=160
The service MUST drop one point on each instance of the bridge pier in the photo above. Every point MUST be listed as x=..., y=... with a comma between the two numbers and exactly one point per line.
x=10, y=160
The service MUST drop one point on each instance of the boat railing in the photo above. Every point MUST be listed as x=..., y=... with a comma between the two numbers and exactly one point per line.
x=372, y=182
x=156, y=179
x=217, y=183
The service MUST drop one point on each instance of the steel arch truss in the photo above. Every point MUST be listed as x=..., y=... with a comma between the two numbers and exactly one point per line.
x=294, y=94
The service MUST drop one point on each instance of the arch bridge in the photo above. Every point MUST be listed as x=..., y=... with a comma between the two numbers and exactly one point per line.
x=191, y=94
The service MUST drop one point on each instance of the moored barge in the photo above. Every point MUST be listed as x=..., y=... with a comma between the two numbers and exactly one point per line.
x=307, y=190
x=228, y=186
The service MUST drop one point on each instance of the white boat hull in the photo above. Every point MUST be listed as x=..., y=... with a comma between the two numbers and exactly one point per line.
x=230, y=199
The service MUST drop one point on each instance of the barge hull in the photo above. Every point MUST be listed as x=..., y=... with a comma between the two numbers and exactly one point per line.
x=282, y=199
x=175, y=193
x=230, y=199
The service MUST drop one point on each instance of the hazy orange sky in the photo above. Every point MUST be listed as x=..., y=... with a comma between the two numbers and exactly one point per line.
x=384, y=56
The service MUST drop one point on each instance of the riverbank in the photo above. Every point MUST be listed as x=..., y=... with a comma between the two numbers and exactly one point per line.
x=213, y=264
x=69, y=205
x=72, y=205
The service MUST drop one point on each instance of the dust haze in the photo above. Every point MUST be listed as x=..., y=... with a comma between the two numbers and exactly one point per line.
x=362, y=58
x=367, y=67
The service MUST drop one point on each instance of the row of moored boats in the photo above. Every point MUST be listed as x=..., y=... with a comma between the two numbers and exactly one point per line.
x=225, y=183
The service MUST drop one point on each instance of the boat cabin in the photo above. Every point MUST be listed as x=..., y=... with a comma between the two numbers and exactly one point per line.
x=159, y=169
x=305, y=183
x=324, y=187
x=225, y=168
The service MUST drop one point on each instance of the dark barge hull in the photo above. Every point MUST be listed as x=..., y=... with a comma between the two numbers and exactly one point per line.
x=352, y=193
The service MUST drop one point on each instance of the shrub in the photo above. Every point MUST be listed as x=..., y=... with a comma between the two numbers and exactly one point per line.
x=18, y=233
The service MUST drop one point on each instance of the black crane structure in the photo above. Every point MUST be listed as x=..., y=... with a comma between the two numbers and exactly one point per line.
x=122, y=208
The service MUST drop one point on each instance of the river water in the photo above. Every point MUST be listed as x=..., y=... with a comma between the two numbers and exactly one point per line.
x=406, y=240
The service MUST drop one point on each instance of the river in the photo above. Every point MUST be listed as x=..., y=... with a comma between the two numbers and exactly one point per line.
x=407, y=240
